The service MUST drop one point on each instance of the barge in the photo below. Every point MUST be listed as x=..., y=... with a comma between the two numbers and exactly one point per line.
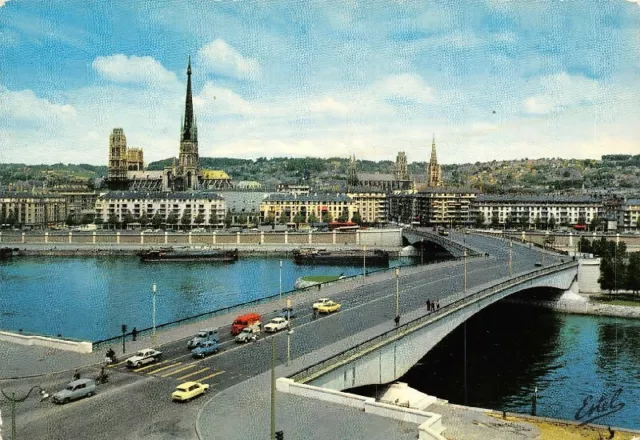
x=170, y=254
x=375, y=257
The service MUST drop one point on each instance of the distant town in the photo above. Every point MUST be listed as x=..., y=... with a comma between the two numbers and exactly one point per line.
x=190, y=192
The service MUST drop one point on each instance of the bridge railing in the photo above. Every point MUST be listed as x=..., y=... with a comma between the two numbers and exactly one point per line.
x=443, y=241
x=362, y=348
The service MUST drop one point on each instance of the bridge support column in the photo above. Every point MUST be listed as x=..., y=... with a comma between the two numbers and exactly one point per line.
x=617, y=238
x=70, y=235
x=310, y=238
x=334, y=237
x=189, y=237
x=94, y=238
x=46, y=237
x=261, y=237
x=237, y=238
x=213, y=237
x=117, y=238
x=166, y=237
x=286, y=237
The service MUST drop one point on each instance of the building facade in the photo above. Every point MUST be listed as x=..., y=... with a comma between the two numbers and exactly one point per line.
x=536, y=210
x=208, y=207
x=371, y=204
x=283, y=207
x=402, y=167
x=433, y=207
x=629, y=215
x=38, y=211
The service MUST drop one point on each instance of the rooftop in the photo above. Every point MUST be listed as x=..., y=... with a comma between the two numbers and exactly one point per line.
x=322, y=197
x=201, y=195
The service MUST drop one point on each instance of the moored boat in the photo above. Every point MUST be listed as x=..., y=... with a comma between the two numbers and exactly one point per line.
x=312, y=280
x=374, y=257
x=227, y=256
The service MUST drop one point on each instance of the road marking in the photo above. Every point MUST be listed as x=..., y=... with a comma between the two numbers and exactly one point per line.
x=210, y=376
x=155, y=364
x=192, y=374
x=119, y=363
x=164, y=368
x=178, y=370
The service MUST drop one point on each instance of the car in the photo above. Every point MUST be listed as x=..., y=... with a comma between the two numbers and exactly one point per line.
x=188, y=390
x=143, y=357
x=329, y=307
x=287, y=313
x=320, y=302
x=206, y=348
x=249, y=333
x=75, y=390
x=276, y=324
x=206, y=334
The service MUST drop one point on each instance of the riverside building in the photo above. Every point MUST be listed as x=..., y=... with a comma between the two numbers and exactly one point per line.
x=283, y=207
x=433, y=207
x=38, y=211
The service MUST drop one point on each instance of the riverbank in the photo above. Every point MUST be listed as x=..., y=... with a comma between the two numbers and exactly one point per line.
x=582, y=306
x=244, y=250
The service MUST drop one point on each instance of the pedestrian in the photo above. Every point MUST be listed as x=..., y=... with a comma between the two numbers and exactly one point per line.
x=397, y=320
x=134, y=333
x=438, y=305
x=76, y=375
x=428, y=305
x=315, y=313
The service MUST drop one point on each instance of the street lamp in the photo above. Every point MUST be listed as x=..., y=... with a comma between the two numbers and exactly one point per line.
x=465, y=271
x=397, y=272
x=43, y=395
x=273, y=389
x=281, y=282
x=422, y=251
x=364, y=262
x=289, y=332
x=153, y=288
x=510, y=246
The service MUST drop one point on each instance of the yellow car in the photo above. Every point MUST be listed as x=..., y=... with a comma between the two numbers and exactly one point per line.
x=189, y=390
x=329, y=307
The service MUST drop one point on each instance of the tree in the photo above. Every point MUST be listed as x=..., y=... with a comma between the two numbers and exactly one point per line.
x=156, y=220
x=172, y=219
x=128, y=218
x=270, y=219
x=242, y=219
x=70, y=220
x=595, y=223
x=538, y=221
x=327, y=217
x=284, y=218
x=584, y=245
x=479, y=221
x=186, y=218
x=356, y=218
x=87, y=219
x=313, y=218
x=143, y=219
x=495, y=221
x=524, y=222
x=344, y=216
x=199, y=219
x=508, y=222
x=632, y=281
x=298, y=218
x=228, y=219
x=113, y=220
x=552, y=222
x=98, y=220
x=582, y=220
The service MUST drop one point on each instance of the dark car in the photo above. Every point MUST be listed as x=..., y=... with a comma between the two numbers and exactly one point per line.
x=287, y=313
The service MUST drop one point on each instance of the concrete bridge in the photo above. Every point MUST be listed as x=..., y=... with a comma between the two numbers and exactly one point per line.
x=391, y=354
x=418, y=237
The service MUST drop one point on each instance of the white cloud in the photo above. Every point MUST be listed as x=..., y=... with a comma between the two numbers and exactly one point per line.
x=560, y=91
x=134, y=70
x=329, y=105
x=637, y=2
x=221, y=58
x=219, y=100
x=24, y=105
x=408, y=86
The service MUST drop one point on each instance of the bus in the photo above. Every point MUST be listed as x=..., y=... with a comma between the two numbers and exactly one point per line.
x=343, y=226
x=580, y=227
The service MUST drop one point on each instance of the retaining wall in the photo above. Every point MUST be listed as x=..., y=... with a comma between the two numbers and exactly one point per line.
x=45, y=341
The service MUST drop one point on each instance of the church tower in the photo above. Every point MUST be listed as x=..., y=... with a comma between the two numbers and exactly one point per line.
x=187, y=173
x=352, y=176
x=402, y=167
x=117, y=170
x=434, y=172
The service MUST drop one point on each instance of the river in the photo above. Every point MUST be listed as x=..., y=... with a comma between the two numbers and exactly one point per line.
x=513, y=348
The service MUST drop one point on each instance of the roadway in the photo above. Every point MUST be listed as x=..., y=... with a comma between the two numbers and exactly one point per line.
x=137, y=405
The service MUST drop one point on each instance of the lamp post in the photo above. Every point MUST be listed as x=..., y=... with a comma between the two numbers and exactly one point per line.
x=281, y=281
x=422, y=251
x=465, y=271
x=43, y=395
x=510, y=246
x=153, y=313
x=397, y=272
x=289, y=332
x=364, y=262
x=273, y=389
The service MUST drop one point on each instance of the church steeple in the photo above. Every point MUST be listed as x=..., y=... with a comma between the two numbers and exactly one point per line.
x=434, y=172
x=434, y=158
x=189, y=131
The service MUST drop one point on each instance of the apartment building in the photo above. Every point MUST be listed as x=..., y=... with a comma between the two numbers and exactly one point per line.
x=32, y=210
x=372, y=204
x=289, y=205
x=629, y=215
x=433, y=206
x=210, y=206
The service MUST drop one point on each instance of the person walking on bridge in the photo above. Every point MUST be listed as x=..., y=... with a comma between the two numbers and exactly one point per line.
x=397, y=320
x=428, y=305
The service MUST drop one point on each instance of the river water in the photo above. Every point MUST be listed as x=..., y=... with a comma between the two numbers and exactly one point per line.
x=89, y=298
x=512, y=349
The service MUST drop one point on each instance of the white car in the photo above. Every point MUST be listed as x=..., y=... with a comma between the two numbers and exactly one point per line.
x=143, y=357
x=276, y=324
x=320, y=302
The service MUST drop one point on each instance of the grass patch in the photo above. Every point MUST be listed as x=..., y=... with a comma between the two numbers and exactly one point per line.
x=618, y=300
x=567, y=431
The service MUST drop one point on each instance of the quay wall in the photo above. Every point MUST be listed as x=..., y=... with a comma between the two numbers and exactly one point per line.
x=46, y=341
x=582, y=307
x=365, y=237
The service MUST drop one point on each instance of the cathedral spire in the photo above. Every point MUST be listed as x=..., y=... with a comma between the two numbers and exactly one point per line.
x=187, y=128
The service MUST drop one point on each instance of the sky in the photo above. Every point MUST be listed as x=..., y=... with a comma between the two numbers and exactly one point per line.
x=490, y=79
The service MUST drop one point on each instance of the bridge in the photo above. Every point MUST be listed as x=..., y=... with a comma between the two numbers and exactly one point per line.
x=390, y=354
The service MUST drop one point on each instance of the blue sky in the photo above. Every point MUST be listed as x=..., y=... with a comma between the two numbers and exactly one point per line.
x=493, y=79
